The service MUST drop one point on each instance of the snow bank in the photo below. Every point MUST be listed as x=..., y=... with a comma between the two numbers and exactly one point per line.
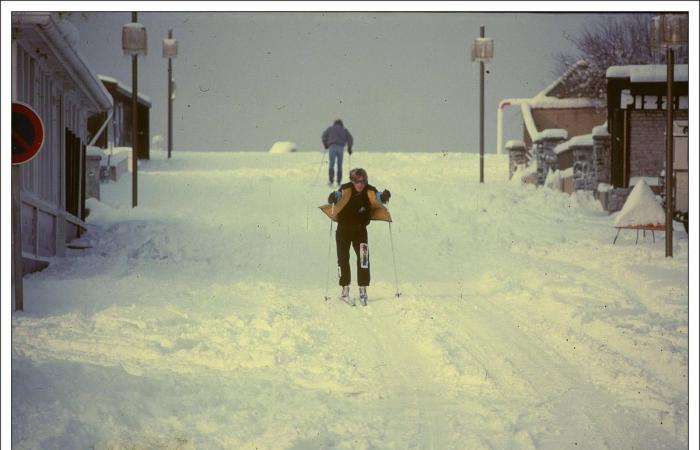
x=283, y=147
x=522, y=173
x=640, y=208
x=553, y=180
x=197, y=320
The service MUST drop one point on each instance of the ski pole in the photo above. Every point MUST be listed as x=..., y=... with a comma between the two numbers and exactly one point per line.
x=393, y=255
x=323, y=156
x=328, y=261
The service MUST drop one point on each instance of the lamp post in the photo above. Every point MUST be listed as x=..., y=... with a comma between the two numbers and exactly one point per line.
x=170, y=51
x=668, y=31
x=482, y=51
x=134, y=43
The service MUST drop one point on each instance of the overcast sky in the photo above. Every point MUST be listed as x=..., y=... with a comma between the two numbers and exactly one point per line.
x=400, y=81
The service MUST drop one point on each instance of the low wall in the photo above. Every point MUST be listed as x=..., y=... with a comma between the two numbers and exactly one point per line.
x=115, y=166
x=517, y=156
x=546, y=158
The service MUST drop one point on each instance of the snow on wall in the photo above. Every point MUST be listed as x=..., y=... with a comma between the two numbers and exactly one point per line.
x=601, y=130
x=513, y=143
x=582, y=140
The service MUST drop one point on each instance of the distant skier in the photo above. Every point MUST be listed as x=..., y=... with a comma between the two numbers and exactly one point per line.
x=334, y=140
x=353, y=205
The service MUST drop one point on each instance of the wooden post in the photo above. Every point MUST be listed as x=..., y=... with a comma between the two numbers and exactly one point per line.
x=669, y=151
x=170, y=100
x=134, y=125
x=482, y=33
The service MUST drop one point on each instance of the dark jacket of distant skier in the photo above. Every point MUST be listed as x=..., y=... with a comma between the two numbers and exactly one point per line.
x=337, y=134
x=334, y=139
x=353, y=206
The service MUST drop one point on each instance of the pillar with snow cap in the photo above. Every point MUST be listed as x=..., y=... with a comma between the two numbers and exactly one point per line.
x=503, y=104
x=517, y=156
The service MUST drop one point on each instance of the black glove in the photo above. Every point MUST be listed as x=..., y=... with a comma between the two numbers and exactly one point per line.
x=349, y=151
x=332, y=199
x=385, y=196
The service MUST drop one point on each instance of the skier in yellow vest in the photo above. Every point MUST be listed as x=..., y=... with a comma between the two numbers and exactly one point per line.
x=353, y=205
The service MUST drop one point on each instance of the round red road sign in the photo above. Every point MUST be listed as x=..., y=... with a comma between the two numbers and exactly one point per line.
x=27, y=133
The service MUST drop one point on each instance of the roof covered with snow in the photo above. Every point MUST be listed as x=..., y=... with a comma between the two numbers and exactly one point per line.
x=56, y=39
x=566, y=87
x=535, y=134
x=123, y=88
x=544, y=102
x=648, y=73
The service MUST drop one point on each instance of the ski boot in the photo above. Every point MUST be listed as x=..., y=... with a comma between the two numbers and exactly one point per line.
x=363, y=295
x=345, y=296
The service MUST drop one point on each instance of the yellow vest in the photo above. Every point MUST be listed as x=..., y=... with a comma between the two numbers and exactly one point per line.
x=377, y=210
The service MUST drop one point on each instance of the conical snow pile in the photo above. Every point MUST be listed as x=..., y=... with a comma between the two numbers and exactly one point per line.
x=641, y=208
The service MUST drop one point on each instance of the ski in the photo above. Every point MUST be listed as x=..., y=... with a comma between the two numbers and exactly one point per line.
x=348, y=300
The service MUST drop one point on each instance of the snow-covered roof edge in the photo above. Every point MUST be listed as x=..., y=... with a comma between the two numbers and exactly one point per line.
x=553, y=84
x=58, y=37
x=124, y=88
x=543, y=102
x=647, y=73
x=536, y=135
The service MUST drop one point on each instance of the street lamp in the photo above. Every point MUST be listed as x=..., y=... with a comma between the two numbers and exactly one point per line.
x=170, y=52
x=134, y=43
x=482, y=51
x=669, y=30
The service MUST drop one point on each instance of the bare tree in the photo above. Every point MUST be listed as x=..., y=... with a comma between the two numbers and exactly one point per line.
x=611, y=41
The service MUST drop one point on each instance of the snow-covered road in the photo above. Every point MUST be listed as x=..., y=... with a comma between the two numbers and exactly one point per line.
x=198, y=319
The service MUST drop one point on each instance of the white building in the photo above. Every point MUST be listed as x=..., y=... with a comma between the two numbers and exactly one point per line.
x=51, y=77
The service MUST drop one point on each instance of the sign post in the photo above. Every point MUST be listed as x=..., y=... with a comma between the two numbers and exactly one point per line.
x=27, y=140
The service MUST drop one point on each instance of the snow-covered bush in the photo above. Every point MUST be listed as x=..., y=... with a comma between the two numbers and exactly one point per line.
x=157, y=142
x=283, y=147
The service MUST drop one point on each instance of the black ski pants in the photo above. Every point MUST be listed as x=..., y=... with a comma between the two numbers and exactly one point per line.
x=345, y=236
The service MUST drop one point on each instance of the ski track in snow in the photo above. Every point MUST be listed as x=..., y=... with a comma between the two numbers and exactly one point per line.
x=198, y=320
